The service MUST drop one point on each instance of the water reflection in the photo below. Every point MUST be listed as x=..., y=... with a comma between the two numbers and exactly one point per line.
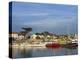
x=41, y=52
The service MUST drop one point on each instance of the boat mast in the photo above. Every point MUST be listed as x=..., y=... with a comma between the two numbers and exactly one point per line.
x=68, y=31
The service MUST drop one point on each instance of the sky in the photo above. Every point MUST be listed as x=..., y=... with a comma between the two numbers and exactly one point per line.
x=54, y=18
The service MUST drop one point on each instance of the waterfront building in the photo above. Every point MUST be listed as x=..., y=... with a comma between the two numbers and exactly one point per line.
x=33, y=36
x=20, y=37
x=13, y=35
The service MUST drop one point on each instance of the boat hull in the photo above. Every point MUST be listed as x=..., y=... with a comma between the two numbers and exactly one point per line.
x=53, y=45
x=70, y=45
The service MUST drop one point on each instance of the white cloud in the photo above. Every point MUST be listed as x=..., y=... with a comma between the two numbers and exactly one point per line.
x=23, y=14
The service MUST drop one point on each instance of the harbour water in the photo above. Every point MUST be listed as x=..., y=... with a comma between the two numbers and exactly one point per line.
x=41, y=52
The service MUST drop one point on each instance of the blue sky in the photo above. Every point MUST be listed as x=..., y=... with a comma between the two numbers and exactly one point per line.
x=54, y=18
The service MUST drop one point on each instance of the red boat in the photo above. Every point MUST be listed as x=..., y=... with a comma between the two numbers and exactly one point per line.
x=53, y=45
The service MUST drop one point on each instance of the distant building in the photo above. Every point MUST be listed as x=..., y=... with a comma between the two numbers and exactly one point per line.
x=33, y=36
x=13, y=35
x=55, y=40
x=55, y=37
x=42, y=37
x=76, y=36
x=20, y=37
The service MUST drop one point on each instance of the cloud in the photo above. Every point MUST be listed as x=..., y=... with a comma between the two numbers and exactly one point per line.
x=44, y=17
x=23, y=14
x=47, y=23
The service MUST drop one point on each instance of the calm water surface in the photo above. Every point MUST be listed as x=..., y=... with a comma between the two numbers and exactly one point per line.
x=41, y=52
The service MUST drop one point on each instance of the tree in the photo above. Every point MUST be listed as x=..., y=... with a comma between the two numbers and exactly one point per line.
x=45, y=33
x=26, y=31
